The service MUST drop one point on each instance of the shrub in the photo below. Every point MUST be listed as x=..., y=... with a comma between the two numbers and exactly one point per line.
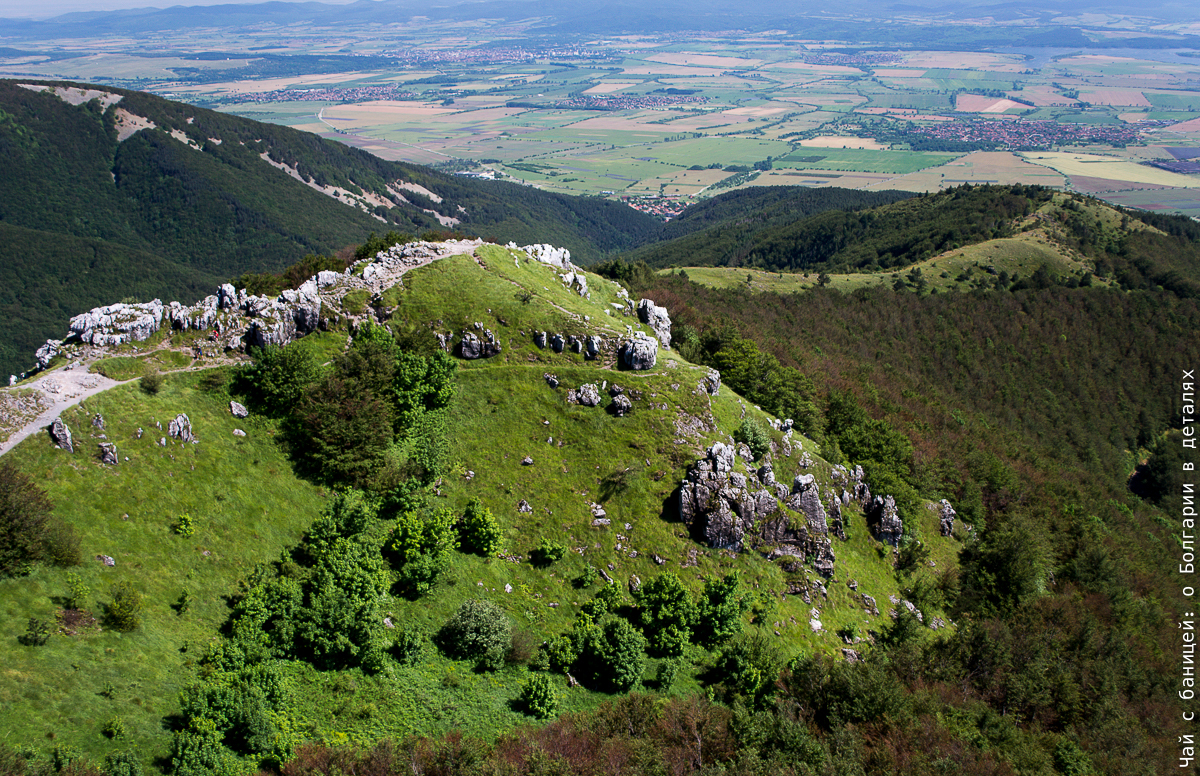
x=668, y=670
x=341, y=432
x=279, y=377
x=25, y=521
x=751, y=433
x=478, y=530
x=721, y=608
x=114, y=728
x=587, y=577
x=123, y=764
x=78, y=592
x=409, y=646
x=538, y=697
x=125, y=611
x=152, y=383
x=183, y=526
x=479, y=630
x=547, y=552
x=37, y=633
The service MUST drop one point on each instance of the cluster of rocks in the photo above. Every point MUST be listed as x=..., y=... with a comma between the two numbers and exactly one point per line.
x=946, y=517
x=884, y=520
x=727, y=507
x=590, y=346
x=560, y=258
x=475, y=346
x=587, y=394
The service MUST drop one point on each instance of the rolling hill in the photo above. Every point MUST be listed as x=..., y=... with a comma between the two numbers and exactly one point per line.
x=107, y=193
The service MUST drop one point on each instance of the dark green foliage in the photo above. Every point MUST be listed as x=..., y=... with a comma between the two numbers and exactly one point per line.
x=125, y=611
x=547, y=552
x=752, y=433
x=587, y=577
x=889, y=235
x=124, y=763
x=614, y=655
x=538, y=697
x=26, y=521
x=271, y=284
x=152, y=383
x=838, y=692
x=720, y=610
x=478, y=631
x=478, y=530
x=37, y=633
x=748, y=668
x=668, y=613
x=278, y=378
x=1010, y=565
x=1161, y=478
x=344, y=431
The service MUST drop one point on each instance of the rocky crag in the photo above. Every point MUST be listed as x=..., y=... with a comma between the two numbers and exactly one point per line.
x=236, y=321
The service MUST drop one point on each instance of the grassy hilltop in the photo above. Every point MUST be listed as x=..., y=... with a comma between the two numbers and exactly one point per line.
x=316, y=599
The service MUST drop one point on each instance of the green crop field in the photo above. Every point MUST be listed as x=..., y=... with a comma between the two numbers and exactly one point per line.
x=864, y=160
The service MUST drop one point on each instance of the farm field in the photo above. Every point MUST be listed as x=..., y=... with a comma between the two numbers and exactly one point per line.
x=631, y=115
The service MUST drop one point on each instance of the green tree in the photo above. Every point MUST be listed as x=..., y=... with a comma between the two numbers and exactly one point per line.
x=421, y=545
x=617, y=655
x=480, y=631
x=279, y=377
x=720, y=610
x=668, y=613
x=751, y=433
x=342, y=433
x=478, y=530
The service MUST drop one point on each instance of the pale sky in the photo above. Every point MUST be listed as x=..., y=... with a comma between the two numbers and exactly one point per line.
x=44, y=9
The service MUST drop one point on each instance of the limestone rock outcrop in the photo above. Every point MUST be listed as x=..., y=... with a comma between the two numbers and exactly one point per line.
x=946, y=517
x=640, y=352
x=657, y=319
x=61, y=435
x=884, y=520
x=730, y=510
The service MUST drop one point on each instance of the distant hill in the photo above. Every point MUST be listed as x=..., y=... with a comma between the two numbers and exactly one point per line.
x=1137, y=249
x=107, y=193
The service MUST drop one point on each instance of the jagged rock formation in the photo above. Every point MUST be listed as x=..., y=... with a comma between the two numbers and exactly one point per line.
x=657, y=319
x=180, y=428
x=472, y=347
x=946, y=517
x=238, y=410
x=884, y=520
x=640, y=352
x=108, y=453
x=61, y=435
x=728, y=509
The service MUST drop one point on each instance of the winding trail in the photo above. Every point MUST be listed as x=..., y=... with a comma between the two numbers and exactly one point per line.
x=64, y=388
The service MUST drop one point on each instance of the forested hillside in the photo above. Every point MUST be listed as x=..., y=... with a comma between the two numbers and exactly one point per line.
x=171, y=200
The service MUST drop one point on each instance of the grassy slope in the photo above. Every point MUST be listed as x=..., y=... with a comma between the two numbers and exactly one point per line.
x=248, y=506
x=1042, y=244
